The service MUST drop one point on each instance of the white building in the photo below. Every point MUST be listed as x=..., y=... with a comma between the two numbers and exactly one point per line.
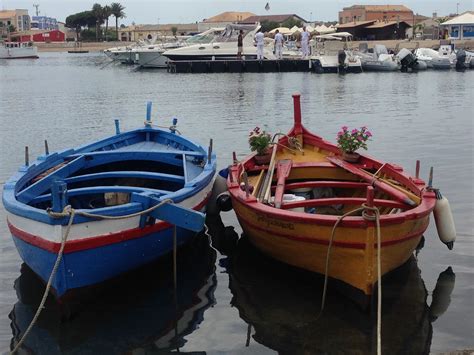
x=461, y=27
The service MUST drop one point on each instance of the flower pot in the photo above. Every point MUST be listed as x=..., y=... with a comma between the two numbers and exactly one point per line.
x=351, y=157
x=262, y=159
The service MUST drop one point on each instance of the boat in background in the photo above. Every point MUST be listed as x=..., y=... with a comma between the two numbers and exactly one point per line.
x=18, y=50
x=377, y=60
x=109, y=206
x=152, y=56
x=223, y=46
x=330, y=54
x=289, y=207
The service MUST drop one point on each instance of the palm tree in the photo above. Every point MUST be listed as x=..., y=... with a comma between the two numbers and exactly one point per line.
x=98, y=13
x=106, y=12
x=117, y=11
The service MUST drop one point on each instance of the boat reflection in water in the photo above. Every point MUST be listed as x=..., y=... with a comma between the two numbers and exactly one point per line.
x=136, y=312
x=281, y=305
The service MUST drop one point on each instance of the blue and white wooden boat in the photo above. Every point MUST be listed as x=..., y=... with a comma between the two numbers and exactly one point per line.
x=121, y=175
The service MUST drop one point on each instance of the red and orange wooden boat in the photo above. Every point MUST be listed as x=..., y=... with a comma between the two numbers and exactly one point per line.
x=298, y=232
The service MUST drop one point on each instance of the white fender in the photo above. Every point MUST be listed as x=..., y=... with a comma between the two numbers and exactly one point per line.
x=220, y=186
x=444, y=220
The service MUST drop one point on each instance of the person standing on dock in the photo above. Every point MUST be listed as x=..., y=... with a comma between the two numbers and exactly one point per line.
x=305, y=42
x=279, y=40
x=260, y=39
x=240, y=44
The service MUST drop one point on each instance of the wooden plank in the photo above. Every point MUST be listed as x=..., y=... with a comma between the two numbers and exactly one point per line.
x=329, y=183
x=342, y=201
x=258, y=184
x=283, y=171
x=380, y=184
x=126, y=174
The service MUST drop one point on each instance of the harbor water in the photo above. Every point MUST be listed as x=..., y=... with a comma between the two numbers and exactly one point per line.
x=230, y=298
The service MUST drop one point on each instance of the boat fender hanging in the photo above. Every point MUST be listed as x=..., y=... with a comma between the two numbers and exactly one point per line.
x=218, y=188
x=444, y=220
x=224, y=202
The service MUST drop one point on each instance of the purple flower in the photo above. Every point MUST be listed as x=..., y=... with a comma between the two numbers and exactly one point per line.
x=340, y=133
x=360, y=138
x=355, y=131
x=344, y=128
x=368, y=134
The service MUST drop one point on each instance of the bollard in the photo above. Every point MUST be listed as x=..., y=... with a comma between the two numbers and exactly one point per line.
x=117, y=126
x=58, y=193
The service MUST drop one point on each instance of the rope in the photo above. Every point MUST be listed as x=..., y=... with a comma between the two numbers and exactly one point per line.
x=369, y=217
x=172, y=128
x=71, y=212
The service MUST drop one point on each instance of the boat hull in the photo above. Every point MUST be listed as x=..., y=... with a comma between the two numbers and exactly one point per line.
x=305, y=245
x=92, y=266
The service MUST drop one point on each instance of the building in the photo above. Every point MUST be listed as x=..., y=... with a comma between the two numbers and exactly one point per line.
x=280, y=19
x=384, y=13
x=141, y=32
x=460, y=27
x=39, y=36
x=376, y=30
x=223, y=19
x=19, y=18
x=44, y=23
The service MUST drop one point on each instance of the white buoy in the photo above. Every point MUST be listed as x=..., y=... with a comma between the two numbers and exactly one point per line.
x=444, y=220
x=218, y=190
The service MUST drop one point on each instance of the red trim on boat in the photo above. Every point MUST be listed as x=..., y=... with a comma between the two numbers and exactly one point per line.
x=96, y=241
x=350, y=245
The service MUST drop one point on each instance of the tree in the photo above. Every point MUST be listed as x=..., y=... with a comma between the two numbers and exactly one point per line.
x=268, y=25
x=174, y=30
x=290, y=22
x=117, y=11
x=106, y=13
x=80, y=20
x=98, y=13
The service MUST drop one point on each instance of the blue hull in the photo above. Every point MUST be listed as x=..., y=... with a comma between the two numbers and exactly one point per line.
x=92, y=266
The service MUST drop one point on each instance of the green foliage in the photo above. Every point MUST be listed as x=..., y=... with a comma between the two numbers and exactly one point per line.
x=268, y=25
x=291, y=22
x=259, y=141
x=350, y=141
x=174, y=30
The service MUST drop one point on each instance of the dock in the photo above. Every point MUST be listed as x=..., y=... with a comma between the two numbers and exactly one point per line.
x=241, y=66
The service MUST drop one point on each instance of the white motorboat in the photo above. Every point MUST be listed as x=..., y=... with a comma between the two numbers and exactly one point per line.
x=331, y=54
x=378, y=60
x=152, y=56
x=18, y=50
x=222, y=47
x=444, y=58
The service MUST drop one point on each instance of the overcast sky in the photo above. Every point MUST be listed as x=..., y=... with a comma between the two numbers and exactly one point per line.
x=187, y=11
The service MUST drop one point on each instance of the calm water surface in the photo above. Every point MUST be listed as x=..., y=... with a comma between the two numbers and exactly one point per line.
x=230, y=298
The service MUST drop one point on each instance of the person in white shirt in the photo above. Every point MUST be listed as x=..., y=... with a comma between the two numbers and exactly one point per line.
x=279, y=40
x=305, y=42
x=259, y=38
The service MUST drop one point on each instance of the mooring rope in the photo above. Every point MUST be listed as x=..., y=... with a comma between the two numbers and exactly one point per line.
x=172, y=128
x=71, y=212
x=369, y=217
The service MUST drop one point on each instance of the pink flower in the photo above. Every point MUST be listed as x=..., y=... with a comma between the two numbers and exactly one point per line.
x=344, y=128
x=340, y=133
x=364, y=128
x=355, y=131
x=368, y=134
x=360, y=138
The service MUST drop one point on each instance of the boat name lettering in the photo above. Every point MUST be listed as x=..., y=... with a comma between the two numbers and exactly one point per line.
x=274, y=222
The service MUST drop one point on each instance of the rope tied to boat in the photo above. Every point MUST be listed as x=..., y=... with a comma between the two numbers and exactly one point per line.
x=173, y=128
x=370, y=214
x=70, y=212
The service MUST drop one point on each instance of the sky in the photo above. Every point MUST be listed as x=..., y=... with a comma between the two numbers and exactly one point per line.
x=188, y=11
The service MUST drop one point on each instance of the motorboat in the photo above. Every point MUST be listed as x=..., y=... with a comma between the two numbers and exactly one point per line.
x=331, y=54
x=125, y=54
x=444, y=58
x=18, y=50
x=409, y=61
x=304, y=206
x=378, y=60
x=110, y=206
x=223, y=46
x=152, y=56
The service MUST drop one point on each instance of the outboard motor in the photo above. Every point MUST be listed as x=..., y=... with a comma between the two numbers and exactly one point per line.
x=407, y=59
x=461, y=59
x=341, y=59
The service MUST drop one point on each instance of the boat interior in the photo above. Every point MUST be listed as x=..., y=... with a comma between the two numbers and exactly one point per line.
x=317, y=181
x=107, y=173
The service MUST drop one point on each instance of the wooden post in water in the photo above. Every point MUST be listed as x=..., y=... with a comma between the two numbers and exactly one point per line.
x=46, y=147
x=209, y=152
x=27, y=156
x=417, y=170
x=117, y=126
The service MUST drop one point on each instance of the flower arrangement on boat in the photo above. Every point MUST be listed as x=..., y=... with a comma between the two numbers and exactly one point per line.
x=351, y=140
x=259, y=141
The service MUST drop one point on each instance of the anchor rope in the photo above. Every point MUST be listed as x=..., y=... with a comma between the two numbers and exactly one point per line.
x=172, y=128
x=71, y=212
x=368, y=217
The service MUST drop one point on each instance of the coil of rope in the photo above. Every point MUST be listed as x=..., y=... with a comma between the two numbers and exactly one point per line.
x=71, y=212
x=369, y=214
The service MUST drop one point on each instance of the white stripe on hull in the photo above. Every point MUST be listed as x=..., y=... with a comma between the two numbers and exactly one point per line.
x=86, y=230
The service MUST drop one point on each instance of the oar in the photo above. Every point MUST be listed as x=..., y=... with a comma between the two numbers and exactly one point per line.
x=258, y=184
x=267, y=183
x=283, y=171
x=380, y=184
